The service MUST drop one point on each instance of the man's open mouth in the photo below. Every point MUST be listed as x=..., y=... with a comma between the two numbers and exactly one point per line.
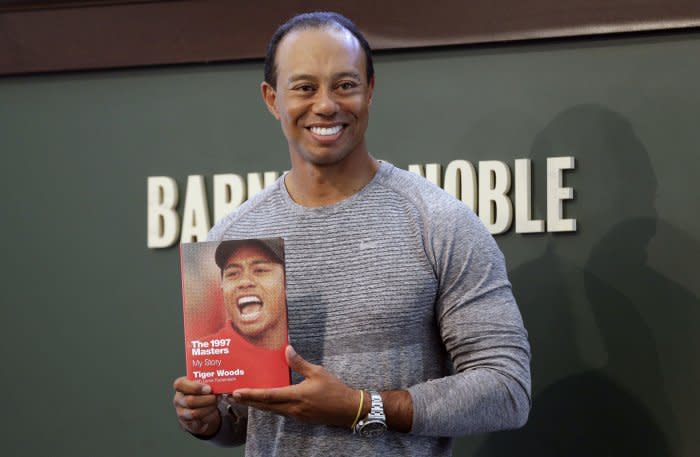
x=250, y=307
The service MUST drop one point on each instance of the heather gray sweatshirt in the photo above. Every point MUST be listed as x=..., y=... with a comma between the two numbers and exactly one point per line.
x=398, y=287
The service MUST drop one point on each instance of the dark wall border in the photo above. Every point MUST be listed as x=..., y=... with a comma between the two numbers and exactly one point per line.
x=49, y=36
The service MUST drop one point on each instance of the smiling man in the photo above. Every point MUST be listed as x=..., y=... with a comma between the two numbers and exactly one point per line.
x=404, y=326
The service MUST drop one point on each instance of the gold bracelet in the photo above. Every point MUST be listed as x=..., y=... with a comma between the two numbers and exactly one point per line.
x=359, y=410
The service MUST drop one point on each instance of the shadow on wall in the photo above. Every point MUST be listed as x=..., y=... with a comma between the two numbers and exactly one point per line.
x=614, y=365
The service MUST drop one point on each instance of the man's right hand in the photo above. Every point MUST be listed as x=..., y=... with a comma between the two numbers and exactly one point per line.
x=196, y=407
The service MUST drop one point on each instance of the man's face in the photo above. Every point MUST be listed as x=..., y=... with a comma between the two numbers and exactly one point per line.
x=322, y=96
x=253, y=288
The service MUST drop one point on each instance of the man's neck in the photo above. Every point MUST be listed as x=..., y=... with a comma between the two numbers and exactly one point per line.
x=313, y=186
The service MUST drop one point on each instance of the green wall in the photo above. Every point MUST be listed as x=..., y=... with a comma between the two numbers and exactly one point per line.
x=92, y=318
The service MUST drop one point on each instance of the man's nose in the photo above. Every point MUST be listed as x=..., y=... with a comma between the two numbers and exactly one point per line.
x=246, y=280
x=325, y=104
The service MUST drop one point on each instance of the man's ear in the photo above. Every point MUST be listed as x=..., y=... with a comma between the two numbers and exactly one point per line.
x=370, y=87
x=269, y=96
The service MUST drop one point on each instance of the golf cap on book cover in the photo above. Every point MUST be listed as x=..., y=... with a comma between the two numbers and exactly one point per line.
x=274, y=246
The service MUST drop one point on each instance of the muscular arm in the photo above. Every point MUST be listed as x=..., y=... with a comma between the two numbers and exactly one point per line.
x=481, y=329
x=490, y=389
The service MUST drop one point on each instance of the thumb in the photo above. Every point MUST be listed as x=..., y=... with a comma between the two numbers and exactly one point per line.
x=297, y=362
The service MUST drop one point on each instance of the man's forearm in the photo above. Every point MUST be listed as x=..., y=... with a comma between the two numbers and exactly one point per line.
x=398, y=408
x=475, y=401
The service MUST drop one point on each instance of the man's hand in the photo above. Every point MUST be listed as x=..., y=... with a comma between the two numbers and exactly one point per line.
x=320, y=398
x=195, y=406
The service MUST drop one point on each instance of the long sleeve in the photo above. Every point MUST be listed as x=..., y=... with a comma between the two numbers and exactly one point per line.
x=481, y=329
x=234, y=421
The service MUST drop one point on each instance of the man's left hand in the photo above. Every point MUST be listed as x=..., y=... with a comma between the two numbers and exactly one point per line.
x=320, y=398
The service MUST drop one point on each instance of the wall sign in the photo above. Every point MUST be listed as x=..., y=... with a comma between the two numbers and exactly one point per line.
x=485, y=188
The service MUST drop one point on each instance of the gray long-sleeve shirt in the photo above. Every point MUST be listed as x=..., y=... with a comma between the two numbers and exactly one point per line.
x=397, y=287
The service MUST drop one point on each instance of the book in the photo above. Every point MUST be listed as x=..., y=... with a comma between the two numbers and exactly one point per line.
x=235, y=313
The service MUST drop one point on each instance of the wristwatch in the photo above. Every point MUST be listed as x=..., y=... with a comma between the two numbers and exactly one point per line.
x=227, y=408
x=375, y=422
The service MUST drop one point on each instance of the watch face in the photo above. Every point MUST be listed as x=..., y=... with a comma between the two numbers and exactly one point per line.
x=373, y=428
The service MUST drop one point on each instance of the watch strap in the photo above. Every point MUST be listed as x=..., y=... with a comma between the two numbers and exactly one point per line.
x=375, y=418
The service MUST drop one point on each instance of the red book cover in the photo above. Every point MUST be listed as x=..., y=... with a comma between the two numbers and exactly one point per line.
x=235, y=313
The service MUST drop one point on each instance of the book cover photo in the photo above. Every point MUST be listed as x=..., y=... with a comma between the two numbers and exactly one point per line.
x=235, y=313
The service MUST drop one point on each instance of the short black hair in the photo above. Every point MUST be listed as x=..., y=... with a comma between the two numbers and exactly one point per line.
x=314, y=20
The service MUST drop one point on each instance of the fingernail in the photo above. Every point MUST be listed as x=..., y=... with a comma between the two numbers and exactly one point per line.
x=236, y=396
x=187, y=415
x=291, y=351
x=206, y=390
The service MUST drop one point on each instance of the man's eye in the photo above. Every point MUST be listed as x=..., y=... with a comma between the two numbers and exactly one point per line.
x=262, y=270
x=231, y=274
x=305, y=88
x=347, y=85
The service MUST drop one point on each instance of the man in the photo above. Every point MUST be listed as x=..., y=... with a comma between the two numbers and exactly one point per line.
x=399, y=304
x=252, y=282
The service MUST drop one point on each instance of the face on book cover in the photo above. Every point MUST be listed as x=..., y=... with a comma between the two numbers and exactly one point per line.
x=253, y=288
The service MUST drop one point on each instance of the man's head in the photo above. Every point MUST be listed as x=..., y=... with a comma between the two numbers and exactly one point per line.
x=252, y=281
x=319, y=85
x=315, y=20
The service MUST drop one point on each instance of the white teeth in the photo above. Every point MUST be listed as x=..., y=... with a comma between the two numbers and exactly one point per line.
x=242, y=301
x=325, y=131
x=251, y=316
x=250, y=307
